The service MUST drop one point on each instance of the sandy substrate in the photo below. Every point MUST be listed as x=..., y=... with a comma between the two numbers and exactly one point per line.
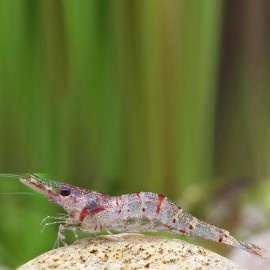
x=131, y=251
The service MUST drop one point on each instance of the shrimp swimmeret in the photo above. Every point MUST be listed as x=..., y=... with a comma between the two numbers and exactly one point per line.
x=91, y=211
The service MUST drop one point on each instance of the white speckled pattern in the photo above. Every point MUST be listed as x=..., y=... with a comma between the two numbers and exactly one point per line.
x=131, y=251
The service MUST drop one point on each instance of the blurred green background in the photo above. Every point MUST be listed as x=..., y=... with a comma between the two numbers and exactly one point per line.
x=124, y=96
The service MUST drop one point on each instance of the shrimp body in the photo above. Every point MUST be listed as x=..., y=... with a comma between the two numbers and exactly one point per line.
x=91, y=211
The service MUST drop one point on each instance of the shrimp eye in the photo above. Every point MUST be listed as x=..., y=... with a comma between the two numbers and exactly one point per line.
x=65, y=191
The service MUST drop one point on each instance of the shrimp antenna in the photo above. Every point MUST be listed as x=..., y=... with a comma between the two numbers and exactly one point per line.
x=18, y=193
x=10, y=175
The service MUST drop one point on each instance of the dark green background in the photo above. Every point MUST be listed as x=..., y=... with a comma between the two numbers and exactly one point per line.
x=124, y=96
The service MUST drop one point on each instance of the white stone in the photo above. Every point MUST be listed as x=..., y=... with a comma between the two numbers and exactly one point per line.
x=131, y=251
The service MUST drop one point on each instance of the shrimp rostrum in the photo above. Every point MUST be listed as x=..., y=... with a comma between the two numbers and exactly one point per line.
x=91, y=211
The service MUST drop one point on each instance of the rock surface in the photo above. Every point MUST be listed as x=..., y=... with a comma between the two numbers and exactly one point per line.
x=131, y=251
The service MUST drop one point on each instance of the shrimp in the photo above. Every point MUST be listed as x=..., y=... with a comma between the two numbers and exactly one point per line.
x=91, y=211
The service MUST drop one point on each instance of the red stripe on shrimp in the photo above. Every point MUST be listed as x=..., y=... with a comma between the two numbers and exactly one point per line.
x=83, y=214
x=85, y=211
x=160, y=200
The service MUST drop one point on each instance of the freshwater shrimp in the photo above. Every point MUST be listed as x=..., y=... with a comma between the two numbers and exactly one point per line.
x=91, y=211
